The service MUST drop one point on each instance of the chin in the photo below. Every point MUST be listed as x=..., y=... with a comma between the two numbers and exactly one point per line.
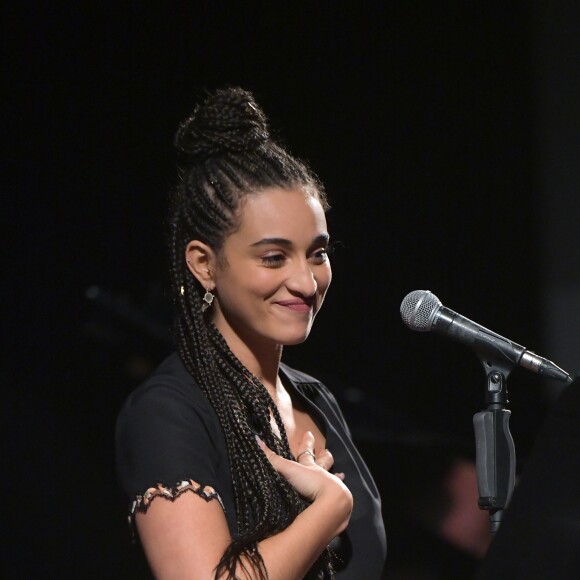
x=294, y=342
x=294, y=338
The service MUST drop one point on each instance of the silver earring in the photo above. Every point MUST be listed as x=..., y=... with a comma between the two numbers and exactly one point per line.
x=207, y=300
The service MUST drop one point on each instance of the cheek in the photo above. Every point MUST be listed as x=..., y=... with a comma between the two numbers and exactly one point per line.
x=323, y=279
x=264, y=283
x=250, y=286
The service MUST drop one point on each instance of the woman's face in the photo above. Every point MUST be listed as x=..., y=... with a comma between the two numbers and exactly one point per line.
x=277, y=270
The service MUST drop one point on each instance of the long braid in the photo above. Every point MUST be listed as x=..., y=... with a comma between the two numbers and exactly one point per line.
x=226, y=155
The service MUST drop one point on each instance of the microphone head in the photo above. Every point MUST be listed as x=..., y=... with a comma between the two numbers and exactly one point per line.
x=418, y=309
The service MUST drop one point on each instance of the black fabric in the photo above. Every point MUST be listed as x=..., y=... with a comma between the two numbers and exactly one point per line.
x=168, y=432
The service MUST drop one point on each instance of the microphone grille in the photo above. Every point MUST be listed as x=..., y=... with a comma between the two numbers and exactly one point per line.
x=418, y=309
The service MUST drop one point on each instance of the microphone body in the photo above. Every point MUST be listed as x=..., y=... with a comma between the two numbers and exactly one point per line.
x=421, y=310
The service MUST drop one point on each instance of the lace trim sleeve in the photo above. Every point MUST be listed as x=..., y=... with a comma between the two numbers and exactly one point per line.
x=141, y=503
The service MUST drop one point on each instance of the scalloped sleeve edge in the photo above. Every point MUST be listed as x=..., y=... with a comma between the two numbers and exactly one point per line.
x=142, y=502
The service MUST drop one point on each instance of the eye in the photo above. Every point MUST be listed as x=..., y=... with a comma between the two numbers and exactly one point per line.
x=320, y=256
x=273, y=260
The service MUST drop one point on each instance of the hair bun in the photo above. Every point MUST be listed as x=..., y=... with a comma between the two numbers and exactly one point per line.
x=228, y=120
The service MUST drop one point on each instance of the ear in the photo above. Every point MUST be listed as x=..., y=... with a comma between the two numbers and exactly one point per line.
x=201, y=261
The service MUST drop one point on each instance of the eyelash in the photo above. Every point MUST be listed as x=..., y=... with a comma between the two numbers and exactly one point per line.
x=273, y=260
x=322, y=255
x=277, y=260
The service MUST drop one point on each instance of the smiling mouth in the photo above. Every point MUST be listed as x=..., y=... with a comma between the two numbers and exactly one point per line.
x=296, y=305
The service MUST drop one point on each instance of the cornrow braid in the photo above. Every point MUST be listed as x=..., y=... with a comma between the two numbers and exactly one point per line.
x=226, y=154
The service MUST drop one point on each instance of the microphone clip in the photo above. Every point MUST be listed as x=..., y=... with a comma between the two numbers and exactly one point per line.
x=495, y=454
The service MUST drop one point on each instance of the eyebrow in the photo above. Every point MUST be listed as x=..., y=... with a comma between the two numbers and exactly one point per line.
x=320, y=239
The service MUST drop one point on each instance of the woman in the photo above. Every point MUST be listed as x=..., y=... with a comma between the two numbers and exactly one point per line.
x=253, y=445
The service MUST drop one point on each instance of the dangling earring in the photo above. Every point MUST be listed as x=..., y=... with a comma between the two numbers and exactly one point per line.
x=207, y=300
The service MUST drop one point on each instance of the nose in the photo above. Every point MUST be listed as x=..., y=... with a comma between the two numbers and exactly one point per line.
x=302, y=280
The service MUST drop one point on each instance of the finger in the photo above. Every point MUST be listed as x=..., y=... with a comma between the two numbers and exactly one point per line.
x=287, y=469
x=340, y=476
x=268, y=452
x=325, y=459
x=305, y=455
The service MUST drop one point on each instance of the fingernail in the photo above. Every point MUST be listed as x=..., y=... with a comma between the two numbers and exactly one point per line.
x=260, y=442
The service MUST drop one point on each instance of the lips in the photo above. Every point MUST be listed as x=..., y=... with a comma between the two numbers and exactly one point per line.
x=295, y=305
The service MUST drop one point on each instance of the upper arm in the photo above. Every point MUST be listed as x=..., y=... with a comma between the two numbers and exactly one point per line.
x=184, y=538
x=166, y=463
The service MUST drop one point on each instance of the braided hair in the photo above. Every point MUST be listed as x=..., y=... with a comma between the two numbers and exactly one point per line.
x=225, y=154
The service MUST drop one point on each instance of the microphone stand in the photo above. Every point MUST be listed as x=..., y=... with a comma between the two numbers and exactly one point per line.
x=495, y=453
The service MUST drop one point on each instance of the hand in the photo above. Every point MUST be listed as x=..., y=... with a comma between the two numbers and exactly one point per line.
x=309, y=477
x=324, y=458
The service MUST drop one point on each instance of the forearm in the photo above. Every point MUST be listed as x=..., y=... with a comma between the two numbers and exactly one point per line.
x=289, y=554
x=186, y=539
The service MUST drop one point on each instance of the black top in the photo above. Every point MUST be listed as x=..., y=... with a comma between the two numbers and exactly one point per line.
x=167, y=432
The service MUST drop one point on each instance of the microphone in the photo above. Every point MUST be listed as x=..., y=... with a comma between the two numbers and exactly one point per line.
x=421, y=310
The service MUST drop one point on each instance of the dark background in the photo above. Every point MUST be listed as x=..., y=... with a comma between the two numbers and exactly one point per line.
x=428, y=124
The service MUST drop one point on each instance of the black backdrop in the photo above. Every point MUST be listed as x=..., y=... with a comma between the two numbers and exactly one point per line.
x=417, y=118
